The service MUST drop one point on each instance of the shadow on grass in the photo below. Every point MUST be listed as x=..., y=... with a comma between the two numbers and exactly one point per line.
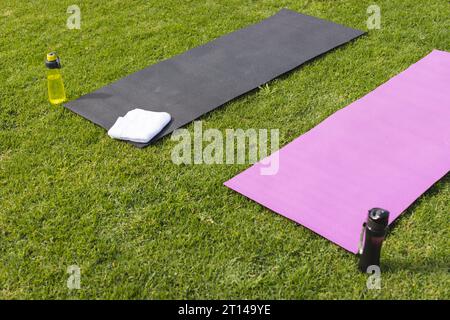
x=435, y=189
x=411, y=265
x=428, y=265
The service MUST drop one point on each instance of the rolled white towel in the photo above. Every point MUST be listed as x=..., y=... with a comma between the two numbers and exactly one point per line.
x=139, y=125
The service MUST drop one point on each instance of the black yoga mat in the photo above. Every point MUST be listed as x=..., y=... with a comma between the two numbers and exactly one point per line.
x=204, y=78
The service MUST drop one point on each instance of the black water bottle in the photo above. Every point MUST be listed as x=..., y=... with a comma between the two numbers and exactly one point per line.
x=372, y=237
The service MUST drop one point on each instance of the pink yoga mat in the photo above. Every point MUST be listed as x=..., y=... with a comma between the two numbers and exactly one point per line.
x=384, y=150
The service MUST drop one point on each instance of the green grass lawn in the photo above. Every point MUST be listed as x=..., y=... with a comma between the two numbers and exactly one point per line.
x=142, y=227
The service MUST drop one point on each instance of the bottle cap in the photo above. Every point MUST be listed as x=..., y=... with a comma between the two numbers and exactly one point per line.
x=52, y=61
x=378, y=219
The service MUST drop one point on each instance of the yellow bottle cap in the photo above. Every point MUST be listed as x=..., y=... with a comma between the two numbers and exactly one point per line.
x=51, y=56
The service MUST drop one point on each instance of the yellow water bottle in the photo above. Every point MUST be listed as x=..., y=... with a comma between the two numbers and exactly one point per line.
x=56, y=93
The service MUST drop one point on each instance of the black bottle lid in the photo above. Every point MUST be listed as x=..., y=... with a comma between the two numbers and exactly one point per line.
x=52, y=61
x=378, y=219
